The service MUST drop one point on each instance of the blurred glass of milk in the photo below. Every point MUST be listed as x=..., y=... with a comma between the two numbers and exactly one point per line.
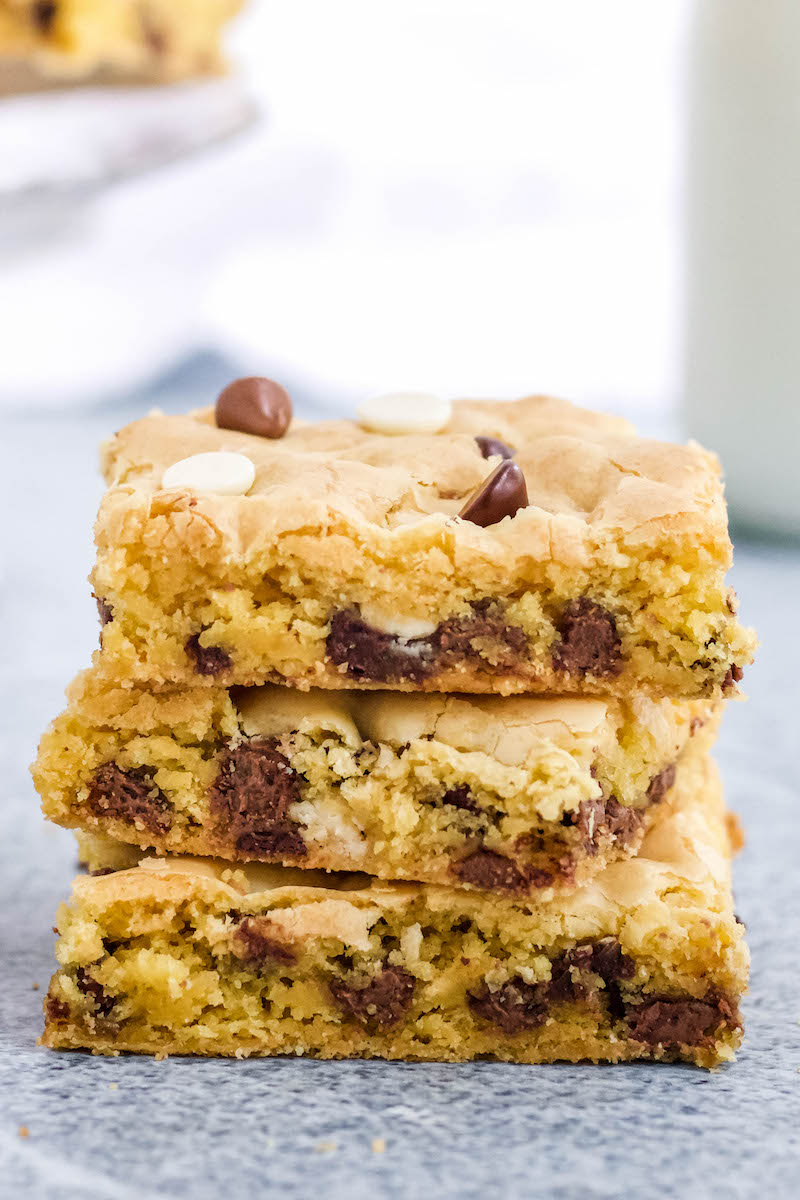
x=742, y=382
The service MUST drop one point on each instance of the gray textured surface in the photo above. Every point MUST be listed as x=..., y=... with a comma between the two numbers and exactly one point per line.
x=186, y=1128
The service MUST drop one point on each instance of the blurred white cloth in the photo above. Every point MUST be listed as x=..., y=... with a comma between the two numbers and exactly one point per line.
x=463, y=196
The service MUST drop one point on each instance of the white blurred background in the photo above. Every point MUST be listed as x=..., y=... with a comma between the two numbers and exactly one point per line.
x=464, y=195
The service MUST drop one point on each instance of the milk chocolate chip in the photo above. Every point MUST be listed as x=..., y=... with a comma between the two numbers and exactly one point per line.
x=502, y=494
x=383, y=1001
x=664, y=1021
x=255, y=405
x=129, y=795
x=104, y=610
x=55, y=1009
x=660, y=784
x=513, y=1007
x=733, y=675
x=491, y=447
x=89, y=986
x=490, y=872
x=255, y=944
x=44, y=14
x=251, y=798
x=589, y=643
x=208, y=660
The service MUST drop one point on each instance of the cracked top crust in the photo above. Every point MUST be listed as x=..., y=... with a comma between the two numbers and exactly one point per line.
x=679, y=880
x=591, y=481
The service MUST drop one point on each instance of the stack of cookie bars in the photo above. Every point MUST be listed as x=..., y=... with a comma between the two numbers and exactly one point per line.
x=397, y=744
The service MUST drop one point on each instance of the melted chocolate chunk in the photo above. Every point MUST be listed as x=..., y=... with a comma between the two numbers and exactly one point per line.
x=734, y=675
x=490, y=447
x=660, y=784
x=604, y=817
x=665, y=1021
x=104, y=610
x=208, y=660
x=622, y=821
x=609, y=962
x=129, y=796
x=518, y=1005
x=588, y=640
x=491, y=872
x=43, y=14
x=103, y=1003
x=370, y=654
x=604, y=958
x=455, y=639
x=55, y=1009
x=282, y=842
x=382, y=1002
x=254, y=943
x=251, y=797
x=461, y=798
x=513, y=1007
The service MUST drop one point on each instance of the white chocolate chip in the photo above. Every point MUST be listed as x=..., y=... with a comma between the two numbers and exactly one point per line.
x=400, y=627
x=219, y=471
x=405, y=412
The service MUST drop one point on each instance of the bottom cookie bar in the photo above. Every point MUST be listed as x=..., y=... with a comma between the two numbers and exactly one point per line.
x=192, y=956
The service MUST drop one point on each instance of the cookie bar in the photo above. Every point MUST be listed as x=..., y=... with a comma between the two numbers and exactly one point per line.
x=70, y=40
x=512, y=795
x=192, y=956
x=343, y=556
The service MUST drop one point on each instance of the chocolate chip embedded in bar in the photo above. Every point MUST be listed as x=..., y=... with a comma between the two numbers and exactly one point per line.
x=605, y=550
x=491, y=872
x=382, y=1001
x=250, y=802
x=208, y=660
x=588, y=642
x=281, y=961
x=482, y=637
x=667, y=1021
x=254, y=941
x=574, y=975
x=43, y=13
x=130, y=796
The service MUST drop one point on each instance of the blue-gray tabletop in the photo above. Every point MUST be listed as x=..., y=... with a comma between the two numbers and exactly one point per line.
x=121, y=1128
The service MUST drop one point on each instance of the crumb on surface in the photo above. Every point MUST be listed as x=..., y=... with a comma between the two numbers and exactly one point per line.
x=378, y=1145
x=112, y=1087
x=35, y=986
x=23, y=1131
x=325, y=1147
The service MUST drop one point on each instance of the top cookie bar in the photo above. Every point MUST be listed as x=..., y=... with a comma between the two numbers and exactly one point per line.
x=343, y=554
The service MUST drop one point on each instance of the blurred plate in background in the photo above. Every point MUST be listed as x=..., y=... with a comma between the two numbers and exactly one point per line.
x=75, y=142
